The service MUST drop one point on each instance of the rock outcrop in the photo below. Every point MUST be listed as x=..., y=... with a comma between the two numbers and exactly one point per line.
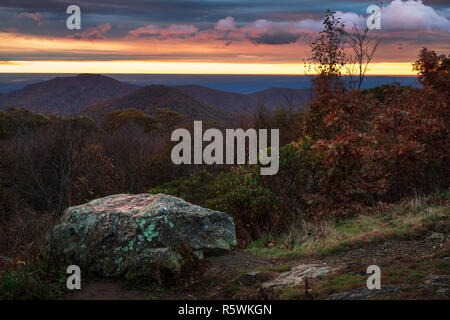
x=364, y=293
x=439, y=283
x=139, y=235
x=296, y=276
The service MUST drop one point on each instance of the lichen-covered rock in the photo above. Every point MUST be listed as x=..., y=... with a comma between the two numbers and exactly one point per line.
x=138, y=235
x=296, y=276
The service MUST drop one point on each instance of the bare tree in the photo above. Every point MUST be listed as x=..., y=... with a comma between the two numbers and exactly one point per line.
x=289, y=99
x=363, y=49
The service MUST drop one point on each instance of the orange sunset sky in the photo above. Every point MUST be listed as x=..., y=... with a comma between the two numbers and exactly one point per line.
x=205, y=37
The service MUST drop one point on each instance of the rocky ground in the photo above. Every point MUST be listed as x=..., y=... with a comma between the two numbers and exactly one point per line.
x=410, y=269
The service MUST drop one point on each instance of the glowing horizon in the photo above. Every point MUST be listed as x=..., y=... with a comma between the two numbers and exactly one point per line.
x=170, y=67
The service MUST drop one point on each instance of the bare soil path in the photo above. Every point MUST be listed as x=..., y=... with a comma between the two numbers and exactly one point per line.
x=237, y=274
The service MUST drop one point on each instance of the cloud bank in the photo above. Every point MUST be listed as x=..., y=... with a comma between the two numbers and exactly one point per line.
x=413, y=16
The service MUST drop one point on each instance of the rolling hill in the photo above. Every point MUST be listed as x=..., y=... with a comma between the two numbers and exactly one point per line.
x=150, y=98
x=274, y=96
x=230, y=101
x=238, y=102
x=65, y=95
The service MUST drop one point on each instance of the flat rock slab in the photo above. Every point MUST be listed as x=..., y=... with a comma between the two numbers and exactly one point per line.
x=438, y=282
x=136, y=235
x=364, y=293
x=296, y=276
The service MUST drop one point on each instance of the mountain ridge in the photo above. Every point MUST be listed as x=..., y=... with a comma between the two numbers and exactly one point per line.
x=152, y=97
x=65, y=95
x=248, y=102
x=96, y=94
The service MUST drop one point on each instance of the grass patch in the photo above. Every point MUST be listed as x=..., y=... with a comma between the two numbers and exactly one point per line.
x=277, y=252
x=409, y=274
x=278, y=269
x=361, y=224
x=340, y=283
x=410, y=219
x=414, y=273
x=323, y=288
x=33, y=280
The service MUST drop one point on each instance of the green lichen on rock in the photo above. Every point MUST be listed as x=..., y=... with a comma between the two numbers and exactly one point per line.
x=149, y=232
x=130, y=235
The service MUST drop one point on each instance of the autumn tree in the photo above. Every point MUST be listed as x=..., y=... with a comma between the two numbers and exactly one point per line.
x=433, y=69
x=327, y=59
x=327, y=52
x=118, y=119
x=168, y=119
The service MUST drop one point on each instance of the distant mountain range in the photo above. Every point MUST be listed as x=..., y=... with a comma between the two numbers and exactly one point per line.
x=95, y=95
x=65, y=95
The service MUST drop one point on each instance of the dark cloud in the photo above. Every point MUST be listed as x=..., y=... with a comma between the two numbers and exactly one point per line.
x=178, y=11
x=260, y=21
x=276, y=38
x=133, y=14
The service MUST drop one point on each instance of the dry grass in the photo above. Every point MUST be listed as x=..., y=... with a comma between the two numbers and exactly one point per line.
x=408, y=219
x=21, y=237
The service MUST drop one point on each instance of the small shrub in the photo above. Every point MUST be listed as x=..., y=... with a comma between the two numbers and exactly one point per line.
x=237, y=192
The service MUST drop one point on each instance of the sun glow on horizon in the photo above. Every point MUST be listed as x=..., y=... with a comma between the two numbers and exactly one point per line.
x=170, y=67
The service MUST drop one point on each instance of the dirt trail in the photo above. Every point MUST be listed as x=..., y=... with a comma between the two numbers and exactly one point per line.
x=101, y=289
x=215, y=271
x=218, y=266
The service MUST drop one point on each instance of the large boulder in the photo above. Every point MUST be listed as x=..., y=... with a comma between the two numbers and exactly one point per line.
x=139, y=235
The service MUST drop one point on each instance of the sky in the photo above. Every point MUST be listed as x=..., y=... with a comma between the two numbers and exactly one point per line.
x=205, y=36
